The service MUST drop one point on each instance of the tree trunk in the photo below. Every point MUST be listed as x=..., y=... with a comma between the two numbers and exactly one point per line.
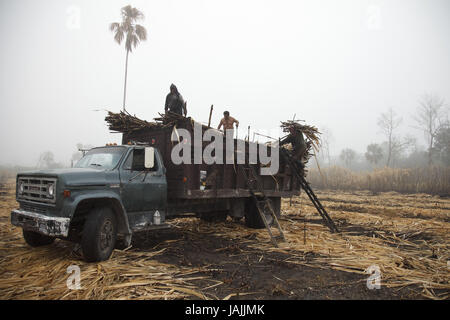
x=389, y=152
x=430, y=156
x=430, y=149
x=125, y=85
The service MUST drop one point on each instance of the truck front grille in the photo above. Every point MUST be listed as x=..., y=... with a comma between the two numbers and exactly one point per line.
x=36, y=189
x=32, y=208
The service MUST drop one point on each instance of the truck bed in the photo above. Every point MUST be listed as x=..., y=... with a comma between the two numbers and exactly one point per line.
x=215, y=181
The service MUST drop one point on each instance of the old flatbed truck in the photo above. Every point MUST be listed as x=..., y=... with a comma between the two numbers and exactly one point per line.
x=114, y=191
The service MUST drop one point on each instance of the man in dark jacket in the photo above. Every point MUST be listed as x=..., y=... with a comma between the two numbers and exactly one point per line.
x=175, y=102
x=296, y=139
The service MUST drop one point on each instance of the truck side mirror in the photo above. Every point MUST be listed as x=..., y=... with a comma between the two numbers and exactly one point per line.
x=149, y=158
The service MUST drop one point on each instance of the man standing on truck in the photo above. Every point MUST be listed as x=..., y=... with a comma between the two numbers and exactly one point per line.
x=296, y=139
x=227, y=122
x=175, y=102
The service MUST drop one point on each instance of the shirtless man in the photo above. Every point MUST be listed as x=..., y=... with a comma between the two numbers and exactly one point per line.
x=227, y=122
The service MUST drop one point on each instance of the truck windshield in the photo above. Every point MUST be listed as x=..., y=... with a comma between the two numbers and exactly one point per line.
x=101, y=158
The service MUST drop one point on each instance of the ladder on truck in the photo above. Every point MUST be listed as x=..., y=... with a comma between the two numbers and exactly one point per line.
x=262, y=202
x=312, y=196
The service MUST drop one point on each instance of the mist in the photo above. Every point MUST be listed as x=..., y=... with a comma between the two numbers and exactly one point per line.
x=336, y=65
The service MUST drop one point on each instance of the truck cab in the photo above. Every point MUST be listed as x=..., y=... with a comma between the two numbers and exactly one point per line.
x=111, y=192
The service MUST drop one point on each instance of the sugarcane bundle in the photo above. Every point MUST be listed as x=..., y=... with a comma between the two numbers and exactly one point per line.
x=311, y=133
x=170, y=118
x=125, y=122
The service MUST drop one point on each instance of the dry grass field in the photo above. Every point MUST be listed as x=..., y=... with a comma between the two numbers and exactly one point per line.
x=406, y=236
x=432, y=180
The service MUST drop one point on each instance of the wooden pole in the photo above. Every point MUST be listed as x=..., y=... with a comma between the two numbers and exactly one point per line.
x=210, y=115
x=125, y=85
x=258, y=134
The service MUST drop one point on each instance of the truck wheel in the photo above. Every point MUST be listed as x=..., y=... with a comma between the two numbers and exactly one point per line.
x=216, y=216
x=35, y=239
x=253, y=219
x=99, y=235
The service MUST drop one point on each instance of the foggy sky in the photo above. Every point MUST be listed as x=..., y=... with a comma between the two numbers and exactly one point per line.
x=335, y=64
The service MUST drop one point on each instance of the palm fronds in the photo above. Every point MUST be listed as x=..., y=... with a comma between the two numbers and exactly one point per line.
x=128, y=29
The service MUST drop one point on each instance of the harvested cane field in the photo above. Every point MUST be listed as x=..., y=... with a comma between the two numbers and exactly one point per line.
x=406, y=236
x=432, y=180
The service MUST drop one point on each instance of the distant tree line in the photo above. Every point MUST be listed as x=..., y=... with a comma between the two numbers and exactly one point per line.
x=394, y=150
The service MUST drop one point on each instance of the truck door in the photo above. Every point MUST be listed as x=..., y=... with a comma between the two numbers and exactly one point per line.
x=155, y=187
x=131, y=181
x=143, y=189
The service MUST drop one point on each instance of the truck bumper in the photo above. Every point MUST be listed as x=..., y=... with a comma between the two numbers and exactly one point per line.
x=49, y=226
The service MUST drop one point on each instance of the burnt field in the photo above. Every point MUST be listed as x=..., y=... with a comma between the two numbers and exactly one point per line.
x=406, y=236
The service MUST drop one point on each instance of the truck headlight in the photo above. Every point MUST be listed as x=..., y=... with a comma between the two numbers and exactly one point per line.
x=21, y=187
x=51, y=190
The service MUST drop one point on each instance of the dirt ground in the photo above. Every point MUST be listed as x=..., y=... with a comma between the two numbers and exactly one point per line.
x=405, y=236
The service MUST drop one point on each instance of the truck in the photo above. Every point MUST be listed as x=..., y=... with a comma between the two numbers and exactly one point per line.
x=115, y=191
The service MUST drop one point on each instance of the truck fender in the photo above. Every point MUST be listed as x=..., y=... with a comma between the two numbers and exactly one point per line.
x=123, y=226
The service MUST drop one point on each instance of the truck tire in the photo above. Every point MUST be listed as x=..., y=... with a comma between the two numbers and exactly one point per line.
x=216, y=216
x=99, y=235
x=252, y=217
x=35, y=239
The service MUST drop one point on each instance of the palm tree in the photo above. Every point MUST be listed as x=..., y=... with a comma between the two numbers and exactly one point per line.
x=132, y=32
